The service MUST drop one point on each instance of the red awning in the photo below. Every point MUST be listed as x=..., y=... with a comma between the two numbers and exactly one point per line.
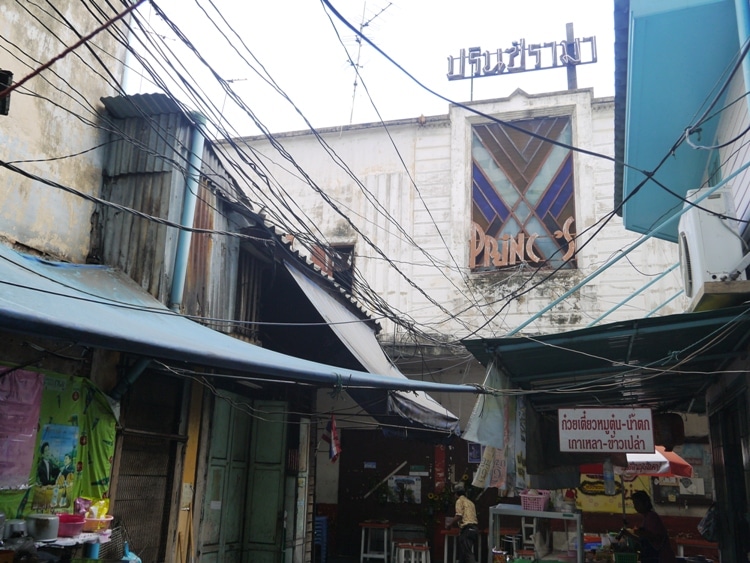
x=661, y=463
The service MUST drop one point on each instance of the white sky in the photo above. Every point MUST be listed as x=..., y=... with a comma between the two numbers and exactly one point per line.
x=297, y=44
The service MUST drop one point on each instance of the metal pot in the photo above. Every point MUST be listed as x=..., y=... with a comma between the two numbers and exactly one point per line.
x=43, y=527
x=14, y=528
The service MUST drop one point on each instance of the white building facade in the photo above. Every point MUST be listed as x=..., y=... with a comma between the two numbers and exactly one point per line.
x=466, y=232
x=404, y=198
x=463, y=226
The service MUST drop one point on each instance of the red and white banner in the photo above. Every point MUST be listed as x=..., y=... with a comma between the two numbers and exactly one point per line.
x=331, y=436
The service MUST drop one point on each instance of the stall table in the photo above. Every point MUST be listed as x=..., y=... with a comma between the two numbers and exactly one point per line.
x=682, y=543
x=86, y=542
x=502, y=512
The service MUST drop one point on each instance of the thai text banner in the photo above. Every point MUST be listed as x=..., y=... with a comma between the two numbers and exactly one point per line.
x=606, y=430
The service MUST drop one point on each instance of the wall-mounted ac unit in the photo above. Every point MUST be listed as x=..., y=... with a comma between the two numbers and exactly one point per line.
x=710, y=247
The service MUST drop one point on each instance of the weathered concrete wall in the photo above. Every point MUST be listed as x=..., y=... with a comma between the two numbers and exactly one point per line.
x=53, y=125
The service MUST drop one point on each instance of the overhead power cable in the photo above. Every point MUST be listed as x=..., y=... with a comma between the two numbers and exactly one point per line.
x=648, y=175
x=325, y=196
x=371, y=197
x=457, y=268
x=119, y=207
x=452, y=315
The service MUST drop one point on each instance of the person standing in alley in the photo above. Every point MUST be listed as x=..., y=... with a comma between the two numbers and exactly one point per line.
x=466, y=518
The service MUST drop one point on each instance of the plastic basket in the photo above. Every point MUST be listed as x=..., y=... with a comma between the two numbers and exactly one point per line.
x=537, y=502
x=97, y=524
x=70, y=525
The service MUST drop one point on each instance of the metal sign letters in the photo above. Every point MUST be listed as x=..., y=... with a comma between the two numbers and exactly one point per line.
x=520, y=57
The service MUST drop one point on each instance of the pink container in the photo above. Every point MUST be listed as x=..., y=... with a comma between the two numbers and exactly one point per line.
x=70, y=525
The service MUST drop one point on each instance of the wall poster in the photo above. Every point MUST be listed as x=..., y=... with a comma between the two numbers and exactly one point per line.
x=71, y=450
x=20, y=401
x=405, y=489
x=696, y=490
x=590, y=496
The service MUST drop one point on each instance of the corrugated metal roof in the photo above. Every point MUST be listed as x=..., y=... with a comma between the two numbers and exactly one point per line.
x=663, y=363
x=164, y=147
x=140, y=105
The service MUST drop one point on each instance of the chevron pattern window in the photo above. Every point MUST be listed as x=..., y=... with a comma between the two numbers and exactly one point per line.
x=523, y=195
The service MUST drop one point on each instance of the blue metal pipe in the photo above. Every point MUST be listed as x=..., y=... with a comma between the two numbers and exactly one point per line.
x=634, y=294
x=667, y=302
x=129, y=378
x=192, y=184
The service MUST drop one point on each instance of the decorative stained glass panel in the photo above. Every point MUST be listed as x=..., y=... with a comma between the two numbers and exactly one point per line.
x=523, y=196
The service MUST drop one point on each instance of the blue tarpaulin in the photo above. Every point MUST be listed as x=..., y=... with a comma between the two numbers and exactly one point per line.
x=99, y=306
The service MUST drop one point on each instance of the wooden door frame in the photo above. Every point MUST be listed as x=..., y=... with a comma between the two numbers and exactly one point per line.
x=203, y=466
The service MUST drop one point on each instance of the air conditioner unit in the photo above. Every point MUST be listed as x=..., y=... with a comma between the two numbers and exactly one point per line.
x=710, y=247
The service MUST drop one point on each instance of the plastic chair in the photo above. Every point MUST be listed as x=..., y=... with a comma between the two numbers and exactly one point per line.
x=410, y=534
x=412, y=553
x=321, y=536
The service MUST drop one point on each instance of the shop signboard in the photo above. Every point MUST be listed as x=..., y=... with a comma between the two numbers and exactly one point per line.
x=606, y=430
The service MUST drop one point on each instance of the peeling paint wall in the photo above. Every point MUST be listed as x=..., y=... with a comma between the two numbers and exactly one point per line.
x=52, y=126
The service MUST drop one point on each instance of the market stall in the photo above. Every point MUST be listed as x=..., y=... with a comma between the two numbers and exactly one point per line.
x=503, y=514
x=660, y=463
x=57, y=442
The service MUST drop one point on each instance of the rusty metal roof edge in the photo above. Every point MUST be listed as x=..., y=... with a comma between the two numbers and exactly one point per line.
x=145, y=105
x=141, y=105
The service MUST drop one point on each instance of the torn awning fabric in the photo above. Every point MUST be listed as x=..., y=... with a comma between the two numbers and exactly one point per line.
x=413, y=411
x=100, y=307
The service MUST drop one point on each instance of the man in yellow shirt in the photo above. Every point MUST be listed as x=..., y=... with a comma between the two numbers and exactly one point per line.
x=466, y=517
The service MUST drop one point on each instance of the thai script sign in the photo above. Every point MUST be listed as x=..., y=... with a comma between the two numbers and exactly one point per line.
x=606, y=430
x=475, y=62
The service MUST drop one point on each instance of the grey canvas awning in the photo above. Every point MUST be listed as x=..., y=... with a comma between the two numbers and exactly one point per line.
x=663, y=363
x=100, y=307
x=417, y=407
